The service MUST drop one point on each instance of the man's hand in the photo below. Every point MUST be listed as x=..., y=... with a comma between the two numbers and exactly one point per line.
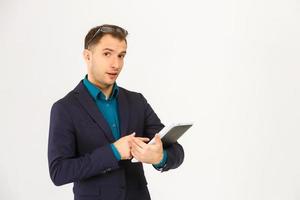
x=123, y=145
x=147, y=153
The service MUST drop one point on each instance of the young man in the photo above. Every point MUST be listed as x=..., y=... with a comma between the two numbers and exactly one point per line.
x=97, y=128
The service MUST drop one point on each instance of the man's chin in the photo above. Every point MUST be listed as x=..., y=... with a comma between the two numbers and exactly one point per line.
x=109, y=83
x=106, y=84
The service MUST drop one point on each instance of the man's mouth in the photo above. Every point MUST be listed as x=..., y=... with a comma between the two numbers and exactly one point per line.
x=112, y=74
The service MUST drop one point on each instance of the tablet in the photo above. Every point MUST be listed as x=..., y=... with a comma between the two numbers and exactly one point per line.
x=170, y=134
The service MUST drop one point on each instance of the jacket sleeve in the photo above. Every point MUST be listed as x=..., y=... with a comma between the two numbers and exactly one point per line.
x=65, y=166
x=152, y=125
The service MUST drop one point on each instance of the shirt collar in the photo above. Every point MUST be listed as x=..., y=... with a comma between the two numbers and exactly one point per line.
x=97, y=93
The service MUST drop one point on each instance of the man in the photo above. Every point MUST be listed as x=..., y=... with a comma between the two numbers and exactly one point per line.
x=97, y=128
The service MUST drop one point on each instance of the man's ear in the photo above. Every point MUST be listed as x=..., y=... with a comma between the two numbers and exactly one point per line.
x=86, y=55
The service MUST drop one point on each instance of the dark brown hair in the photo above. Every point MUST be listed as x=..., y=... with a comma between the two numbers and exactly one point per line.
x=96, y=33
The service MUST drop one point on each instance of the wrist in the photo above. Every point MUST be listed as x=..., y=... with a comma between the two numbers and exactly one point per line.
x=163, y=160
x=115, y=151
x=159, y=159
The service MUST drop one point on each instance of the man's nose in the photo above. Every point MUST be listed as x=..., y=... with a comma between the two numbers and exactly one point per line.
x=116, y=64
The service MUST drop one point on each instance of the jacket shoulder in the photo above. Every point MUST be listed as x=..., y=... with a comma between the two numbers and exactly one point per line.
x=132, y=95
x=66, y=99
x=70, y=96
x=128, y=92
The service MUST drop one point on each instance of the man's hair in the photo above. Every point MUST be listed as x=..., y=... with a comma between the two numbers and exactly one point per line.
x=96, y=33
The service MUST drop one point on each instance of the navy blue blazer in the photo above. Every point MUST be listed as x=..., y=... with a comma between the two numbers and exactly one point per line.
x=79, y=146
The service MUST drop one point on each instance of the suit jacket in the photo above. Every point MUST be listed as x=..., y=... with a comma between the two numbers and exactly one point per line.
x=79, y=146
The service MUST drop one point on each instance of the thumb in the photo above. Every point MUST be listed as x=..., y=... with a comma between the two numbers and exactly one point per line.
x=132, y=135
x=157, y=139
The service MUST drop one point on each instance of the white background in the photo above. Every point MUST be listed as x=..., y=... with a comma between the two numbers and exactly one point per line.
x=232, y=67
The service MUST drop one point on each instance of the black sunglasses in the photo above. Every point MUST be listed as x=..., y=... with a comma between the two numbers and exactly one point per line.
x=108, y=29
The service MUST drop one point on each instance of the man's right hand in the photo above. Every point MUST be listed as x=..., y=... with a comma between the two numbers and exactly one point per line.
x=123, y=145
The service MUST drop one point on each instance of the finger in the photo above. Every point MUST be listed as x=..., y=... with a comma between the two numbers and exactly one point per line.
x=144, y=139
x=132, y=134
x=135, y=146
x=135, y=154
x=139, y=142
x=157, y=139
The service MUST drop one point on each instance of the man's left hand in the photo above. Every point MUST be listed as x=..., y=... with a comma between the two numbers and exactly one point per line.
x=147, y=153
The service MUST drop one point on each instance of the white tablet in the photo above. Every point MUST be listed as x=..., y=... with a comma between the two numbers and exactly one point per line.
x=170, y=134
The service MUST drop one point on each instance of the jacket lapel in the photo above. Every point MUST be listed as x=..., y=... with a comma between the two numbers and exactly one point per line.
x=123, y=112
x=90, y=106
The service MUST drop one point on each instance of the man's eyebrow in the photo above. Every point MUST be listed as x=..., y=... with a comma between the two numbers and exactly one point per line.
x=107, y=49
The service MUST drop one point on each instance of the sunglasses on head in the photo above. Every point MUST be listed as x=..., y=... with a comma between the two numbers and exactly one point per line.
x=109, y=29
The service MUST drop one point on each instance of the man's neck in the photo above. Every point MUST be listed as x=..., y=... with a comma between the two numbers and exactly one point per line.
x=105, y=89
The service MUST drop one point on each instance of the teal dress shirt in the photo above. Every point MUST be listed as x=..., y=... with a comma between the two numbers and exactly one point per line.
x=109, y=109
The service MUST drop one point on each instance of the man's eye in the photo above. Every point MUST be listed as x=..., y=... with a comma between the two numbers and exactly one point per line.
x=106, y=54
x=121, y=56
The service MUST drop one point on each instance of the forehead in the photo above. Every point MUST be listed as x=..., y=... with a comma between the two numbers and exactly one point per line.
x=108, y=41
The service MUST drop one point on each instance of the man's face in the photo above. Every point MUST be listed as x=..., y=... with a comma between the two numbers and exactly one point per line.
x=105, y=61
